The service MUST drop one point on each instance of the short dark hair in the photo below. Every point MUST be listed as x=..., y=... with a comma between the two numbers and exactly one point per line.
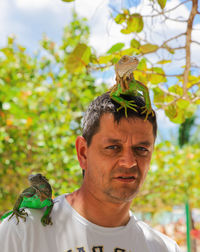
x=104, y=104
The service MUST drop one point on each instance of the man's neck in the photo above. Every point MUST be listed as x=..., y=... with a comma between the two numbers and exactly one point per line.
x=100, y=212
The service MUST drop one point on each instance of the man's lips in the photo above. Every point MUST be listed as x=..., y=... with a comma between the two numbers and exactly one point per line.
x=125, y=178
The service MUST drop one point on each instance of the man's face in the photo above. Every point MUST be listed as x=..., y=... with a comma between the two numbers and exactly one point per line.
x=118, y=158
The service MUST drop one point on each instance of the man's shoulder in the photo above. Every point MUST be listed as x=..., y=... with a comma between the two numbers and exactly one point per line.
x=156, y=239
x=33, y=234
x=33, y=217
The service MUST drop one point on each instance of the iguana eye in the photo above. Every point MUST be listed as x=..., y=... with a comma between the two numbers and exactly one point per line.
x=124, y=58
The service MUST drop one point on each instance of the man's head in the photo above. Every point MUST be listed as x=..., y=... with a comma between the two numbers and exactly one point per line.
x=104, y=104
x=114, y=151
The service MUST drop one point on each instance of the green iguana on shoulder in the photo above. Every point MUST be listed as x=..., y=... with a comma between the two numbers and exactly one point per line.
x=37, y=196
x=127, y=85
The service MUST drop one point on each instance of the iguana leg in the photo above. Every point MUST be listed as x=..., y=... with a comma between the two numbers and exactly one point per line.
x=123, y=84
x=113, y=89
x=126, y=80
x=46, y=219
x=147, y=108
x=147, y=111
x=145, y=93
x=17, y=212
x=124, y=104
x=29, y=192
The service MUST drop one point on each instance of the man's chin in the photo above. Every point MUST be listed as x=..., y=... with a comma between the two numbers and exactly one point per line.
x=123, y=196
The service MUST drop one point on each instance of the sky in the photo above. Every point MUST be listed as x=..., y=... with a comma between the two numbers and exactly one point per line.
x=28, y=20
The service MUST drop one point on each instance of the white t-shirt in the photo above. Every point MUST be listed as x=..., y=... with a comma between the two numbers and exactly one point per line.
x=70, y=232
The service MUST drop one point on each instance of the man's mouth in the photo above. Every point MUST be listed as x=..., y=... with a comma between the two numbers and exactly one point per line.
x=126, y=178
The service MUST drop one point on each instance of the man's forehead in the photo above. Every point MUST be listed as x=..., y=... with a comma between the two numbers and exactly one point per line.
x=115, y=131
x=108, y=119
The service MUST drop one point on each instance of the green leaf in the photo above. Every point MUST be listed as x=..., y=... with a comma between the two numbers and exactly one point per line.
x=135, y=23
x=128, y=51
x=197, y=102
x=162, y=3
x=125, y=31
x=164, y=62
x=171, y=112
x=115, y=48
x=158, y=70
x=169, y=49
x=120, y=18
x=178, y=112
x=148, y=48
x=142, y=64
x=105, y=59
x=180, y=117
x=192, y=80
x=156, y=79
x=135, y=43
x=67, y=1
x=78, y=59
x=158, y=75
x=176, y=89
x=183, y=104
x=158, y=95
x=126, y=12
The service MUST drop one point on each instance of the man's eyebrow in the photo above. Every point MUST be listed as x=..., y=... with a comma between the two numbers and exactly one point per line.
x=112, y=140
x=115, y=140
x=146, y=143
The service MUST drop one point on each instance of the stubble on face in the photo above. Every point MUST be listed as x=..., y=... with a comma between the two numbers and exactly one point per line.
x=126, y=191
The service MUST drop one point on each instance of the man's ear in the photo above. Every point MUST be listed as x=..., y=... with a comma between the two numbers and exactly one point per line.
x=81, y=149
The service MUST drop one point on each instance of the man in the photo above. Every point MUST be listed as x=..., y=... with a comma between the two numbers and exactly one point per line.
x=114, y=154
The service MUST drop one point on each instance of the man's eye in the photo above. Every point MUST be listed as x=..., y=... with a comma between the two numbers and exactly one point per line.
x=142, y=151
x=112, y=147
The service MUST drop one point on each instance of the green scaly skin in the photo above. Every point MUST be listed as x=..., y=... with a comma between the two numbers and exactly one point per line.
x=37, y=196
x=135, y=88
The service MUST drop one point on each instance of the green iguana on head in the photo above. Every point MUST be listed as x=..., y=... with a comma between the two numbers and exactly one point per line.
x=127, y=85
x=37, y=196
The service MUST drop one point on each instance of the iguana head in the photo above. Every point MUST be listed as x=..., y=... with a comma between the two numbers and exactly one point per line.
x=35, y=179
x=126, y=65
x=41, y=184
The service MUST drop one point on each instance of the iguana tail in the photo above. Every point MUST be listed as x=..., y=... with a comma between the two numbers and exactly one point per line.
x=6, y=215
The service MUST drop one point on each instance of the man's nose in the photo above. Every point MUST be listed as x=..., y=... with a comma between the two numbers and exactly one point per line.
x=127, y=159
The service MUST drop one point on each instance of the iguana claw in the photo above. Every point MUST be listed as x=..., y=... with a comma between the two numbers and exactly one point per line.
x=147, y=111
x=46, y=221
x=19, y=213
x=127, y=104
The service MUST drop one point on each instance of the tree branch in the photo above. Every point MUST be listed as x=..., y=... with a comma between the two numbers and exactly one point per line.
x=161, y=13
x=176, y=48
x=163, y=106
x=169, y=93
x=174, y=8
x=196, y=42
x=195, y=99
x=188, y=43
x=172, y=38
x=175, y=20
x=164, y=75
